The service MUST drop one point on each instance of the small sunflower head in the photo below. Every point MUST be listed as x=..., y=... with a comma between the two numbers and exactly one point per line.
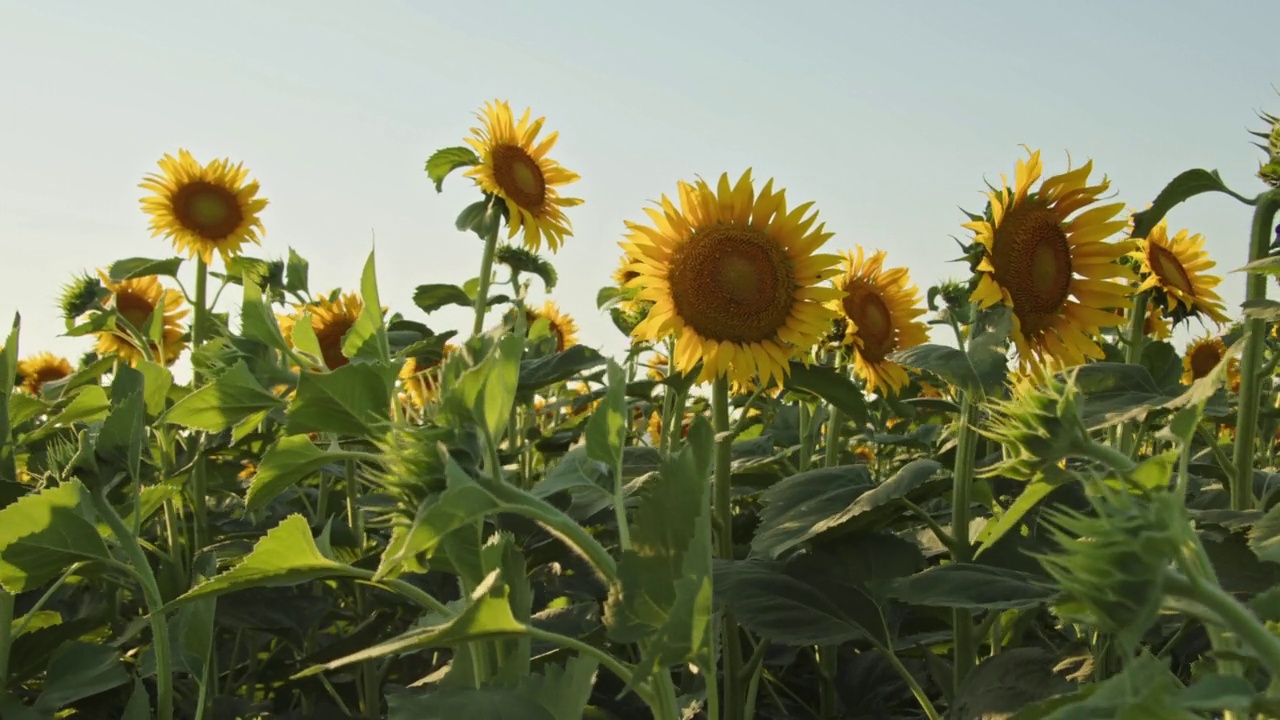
x=413, y=463
x=80, y=296
x=524, y=260
x=1269, y=171
x=1112, y=562
x=1039, y=426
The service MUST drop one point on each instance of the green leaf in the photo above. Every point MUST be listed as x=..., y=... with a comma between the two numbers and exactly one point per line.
x=489, y=389
x=290, y=460
x=446, y=160
x=305, y=341
x=296, y=273
x=23, y=407
x=457, y=507
x=139, y=705
x=286, y=555
x=449, y=703
x=1215, y=693
x=1181, y=188
x=143, y=267
x=1262, y=309
x=88, y=405
x=122, y=434
x=523, y=260
x=800, y=507
x=830, y=385
x=538, y=373
x=606, y=431
x=1264, y=537
x=988, y=348
x=1116, y=392
x=352, y=400
x=790, y=611
x=44, y=533
x=257, y=322
x=1031, y=495
x=971, y=586
x=367, y=338
x=916, y=481
x=482, y=217
x=434, y=296
x=230, y=398
x=487, y=614
x=79, y=670
x=157, y=380
x=948, y=363
x=1010, y=679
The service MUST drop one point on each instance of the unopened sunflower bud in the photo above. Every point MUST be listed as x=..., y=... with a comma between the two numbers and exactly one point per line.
x=1039, y=426
x=80, y=296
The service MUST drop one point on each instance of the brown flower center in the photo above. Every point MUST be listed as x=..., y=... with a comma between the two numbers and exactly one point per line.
x=1204, y=358
x=134, y=308
x=329, y=336
x=531, y=317
x=1032, y=261
x=732, y=284
x=1168, y=268
x=519, y=177
x=210, y=211
x=864, y=306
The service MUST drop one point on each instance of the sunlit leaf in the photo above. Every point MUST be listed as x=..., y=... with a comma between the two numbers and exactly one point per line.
x=45, y=532
x=214, y=407
x=446, y=160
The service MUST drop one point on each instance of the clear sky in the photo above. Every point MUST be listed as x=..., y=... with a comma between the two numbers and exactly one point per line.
x=889, y=115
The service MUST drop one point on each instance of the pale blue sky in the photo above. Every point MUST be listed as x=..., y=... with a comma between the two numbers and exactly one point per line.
x=887, y=114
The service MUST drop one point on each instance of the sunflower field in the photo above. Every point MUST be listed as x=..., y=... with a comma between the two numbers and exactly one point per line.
x=783, y=501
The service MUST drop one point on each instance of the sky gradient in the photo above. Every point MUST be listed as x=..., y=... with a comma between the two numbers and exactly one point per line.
x=889, y=116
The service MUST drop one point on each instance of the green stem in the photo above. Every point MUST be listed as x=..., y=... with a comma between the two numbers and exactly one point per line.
x=966, y=451
x=1117, y=460
x=1255, y=333
x=668, y=403
x=806, y=434
x=200, y=320
x=6, y=634
x=1133, y=355
x=828, y=654
x=921, y=697
x=141, y=569
x=486, y=269
x=613, y=664
x=1236, y=617
x=731, y=652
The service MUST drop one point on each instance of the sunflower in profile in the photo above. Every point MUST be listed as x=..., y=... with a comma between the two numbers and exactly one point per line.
x=42, y=368
x=1203, y=355
x=881, y=310
x=656, y=366
x=135, y=300
x=1175, y=268
x=421, y=379
x=515, y=167
x=563, y=327
x=1051, y=263
x=203, y=208
x=733, y=276
x=330, y=319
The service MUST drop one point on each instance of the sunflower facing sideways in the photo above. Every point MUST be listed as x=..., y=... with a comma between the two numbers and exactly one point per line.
x=135, y=300
x=42, y=368
x=515, y=167
x=203, y=208
x=1174, y=267
x=1052, y=266
x=880, y=312
x=1203, y=355
x=733, y=276
x=421, y=379
x=330, y=319
x=562, y=325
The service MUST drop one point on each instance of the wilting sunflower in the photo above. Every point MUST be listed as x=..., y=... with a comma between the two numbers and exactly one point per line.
x=1175, y=268
x=203, y=208
x=880, y=310
x=563, y=327
x=330, y=319
x=41, y=368
x=1203, y=355
x=1051, y=265
x=518, y=171
x=135, y=300
x=733, y=276
x=421, y=379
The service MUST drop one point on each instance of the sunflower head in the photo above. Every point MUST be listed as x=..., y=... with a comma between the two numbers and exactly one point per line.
x=563, y=328
x=134, y=301
x=331, y=318
x=1041, y=252
x=524, y=260
x=1174, y=269
x=203, y=208
x=80, y=296
x=514, y=166
x=881, y=310
x=734, y=277
x=41, y=368
x=421, y=378
x=1203, y=355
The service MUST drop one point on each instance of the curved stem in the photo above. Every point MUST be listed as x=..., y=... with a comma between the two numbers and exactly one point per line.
x=486, y=269
x=1236, y=617
x=614, y=665
x=1255, y=332
x=921, y=697
x=731, y=650
x=1117, y=460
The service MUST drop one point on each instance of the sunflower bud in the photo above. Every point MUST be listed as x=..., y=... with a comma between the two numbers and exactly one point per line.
x=523, y=260
x=80, y=296
x=1039, y=426
x=1112, y=565
x=413, y=466
x=1269, y=171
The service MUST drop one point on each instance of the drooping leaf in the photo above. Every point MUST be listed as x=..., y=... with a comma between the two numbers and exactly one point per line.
x=233, y=396
x=352, y=400
x=130, y=268
x=457, y=507
x=538, y=373
x=482, y=217
x=790, y=611
x=1181, y=188
x=43, y=533
x=79, y=670
x=1031, y=495
x=296, y=270
x=257, y=322
x=446, y=160
x=830, y=385
x=963, y=585
x=291, y=459
x=803, y=505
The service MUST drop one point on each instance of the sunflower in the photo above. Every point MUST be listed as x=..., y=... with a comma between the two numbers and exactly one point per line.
x=657, y=367
x=203, y=208
x=421, y=379
x=518, y=171
x=330, y=319
x=563, y=327
x=135, y=300
x=1203, y=355
x=880, y=309
x=1051, y=265
x=41, y=368
x=1175, y=269
x=655, y=427
x=733, y=276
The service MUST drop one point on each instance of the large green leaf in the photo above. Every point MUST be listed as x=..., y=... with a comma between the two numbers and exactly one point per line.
x=1116, y=392
x=457, y=507
x=802, y=506
x=541, y=372
x=44, y=533
x=606, y=431
x=367, y=338
x=286, y=555
x=488, y=390
x=296, y=270
x=791, y=611
x=355, y=399
x=79, y=670
x=257, y=322
x=157, y=379
x=446, y=160
x=123, y=431
x=232, y=397
x=291, y=459
x=830, y=385
x=916, y=481
x=1181, y=188
x=137, y=267
x=971, y=586
x=433, y=296
x=979, y=369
